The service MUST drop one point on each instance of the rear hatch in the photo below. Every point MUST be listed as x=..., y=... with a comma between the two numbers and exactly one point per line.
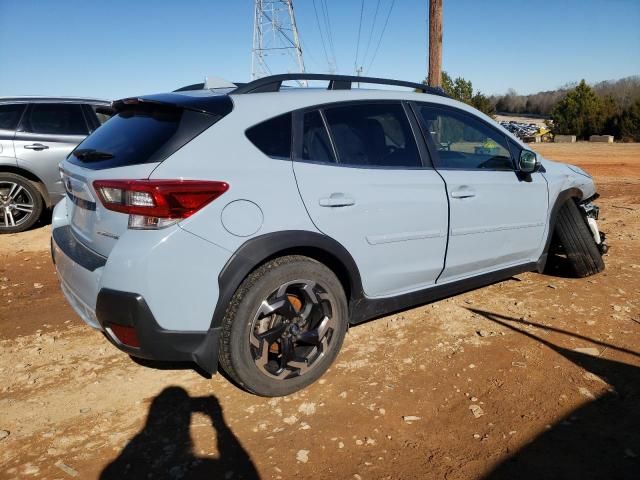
x=143, y=133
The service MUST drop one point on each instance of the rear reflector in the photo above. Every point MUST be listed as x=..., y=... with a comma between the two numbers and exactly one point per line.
x=153, y=204
x=125, y=335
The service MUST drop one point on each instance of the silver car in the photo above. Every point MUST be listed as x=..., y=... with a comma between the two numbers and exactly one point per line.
x=36, y=134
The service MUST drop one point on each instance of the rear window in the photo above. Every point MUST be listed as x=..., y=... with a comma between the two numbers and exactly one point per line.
x=141, y=133
x=10, y=115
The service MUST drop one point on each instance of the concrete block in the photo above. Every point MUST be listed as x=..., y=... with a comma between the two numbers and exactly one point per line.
x=564, y=139
x=601, y=138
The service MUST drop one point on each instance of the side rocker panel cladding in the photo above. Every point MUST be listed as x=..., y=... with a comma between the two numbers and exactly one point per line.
x=257, y=250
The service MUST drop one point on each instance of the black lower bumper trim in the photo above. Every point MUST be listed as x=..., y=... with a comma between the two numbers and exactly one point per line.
x=76, y=251
x=156, y=343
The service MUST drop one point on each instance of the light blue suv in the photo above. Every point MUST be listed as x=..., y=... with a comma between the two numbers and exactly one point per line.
x=251, y=225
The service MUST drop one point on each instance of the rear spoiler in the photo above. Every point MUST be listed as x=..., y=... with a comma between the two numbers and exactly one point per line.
x=210, y=83
x=211, y=104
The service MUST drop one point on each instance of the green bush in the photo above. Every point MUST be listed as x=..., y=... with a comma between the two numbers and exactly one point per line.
x=462, y=90
x=629, y=123
x=579, y=113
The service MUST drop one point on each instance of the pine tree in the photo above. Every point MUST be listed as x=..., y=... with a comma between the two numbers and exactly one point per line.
x=579, y=113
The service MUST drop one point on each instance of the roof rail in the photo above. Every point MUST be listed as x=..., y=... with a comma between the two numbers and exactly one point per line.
x=273, y=83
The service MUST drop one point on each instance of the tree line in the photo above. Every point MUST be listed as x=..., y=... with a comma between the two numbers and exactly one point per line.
x=462, y=90
x=606, y=108
x=583, y=112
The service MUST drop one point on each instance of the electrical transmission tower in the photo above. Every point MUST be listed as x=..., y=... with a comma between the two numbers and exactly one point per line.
x=275, y=35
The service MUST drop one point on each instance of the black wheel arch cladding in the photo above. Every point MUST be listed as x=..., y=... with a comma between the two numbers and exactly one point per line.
x=258, y=250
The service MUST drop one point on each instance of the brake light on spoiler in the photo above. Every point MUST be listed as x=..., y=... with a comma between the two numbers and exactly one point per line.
x=155, y=204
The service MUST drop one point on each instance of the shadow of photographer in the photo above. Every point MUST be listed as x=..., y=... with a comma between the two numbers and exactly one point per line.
x=163, y=449
x=600, y=440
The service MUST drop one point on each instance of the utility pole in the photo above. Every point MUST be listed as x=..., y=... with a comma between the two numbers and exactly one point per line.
x=434, y=75
x=275, y=33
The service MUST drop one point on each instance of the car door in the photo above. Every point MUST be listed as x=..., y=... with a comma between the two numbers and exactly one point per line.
x=497, y=215
x=10, y=114
x=363, y=182
x=47, y=133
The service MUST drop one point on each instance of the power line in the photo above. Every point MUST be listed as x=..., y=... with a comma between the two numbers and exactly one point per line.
x=373, y=24
x=355, y=63
x=324, y=47
x=327, y=21
x=386, y=22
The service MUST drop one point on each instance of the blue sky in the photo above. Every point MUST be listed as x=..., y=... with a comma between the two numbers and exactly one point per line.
x=117, y=48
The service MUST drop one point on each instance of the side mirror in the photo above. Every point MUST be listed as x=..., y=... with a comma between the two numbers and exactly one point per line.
x=528, y=162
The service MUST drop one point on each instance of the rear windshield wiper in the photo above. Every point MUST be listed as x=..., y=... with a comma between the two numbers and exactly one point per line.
x=89, y=154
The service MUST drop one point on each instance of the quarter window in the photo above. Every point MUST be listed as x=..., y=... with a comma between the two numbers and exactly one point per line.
x=10, y=115
x=465, y=143
x=376, y=135
x=273, y=137
x=316, y=145
x=57, y=119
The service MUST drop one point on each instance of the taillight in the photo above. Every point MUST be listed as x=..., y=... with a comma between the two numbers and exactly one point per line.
x=125, y=335
x=153, y=204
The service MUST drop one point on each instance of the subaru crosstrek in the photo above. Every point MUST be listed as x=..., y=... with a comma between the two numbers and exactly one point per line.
x=251, y=226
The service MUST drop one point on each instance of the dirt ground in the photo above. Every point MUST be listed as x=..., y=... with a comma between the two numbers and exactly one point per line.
x=534, y=377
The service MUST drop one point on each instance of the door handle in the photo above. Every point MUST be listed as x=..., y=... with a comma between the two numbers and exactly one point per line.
x=463, y=193
x=337, y=200
x=36, y=146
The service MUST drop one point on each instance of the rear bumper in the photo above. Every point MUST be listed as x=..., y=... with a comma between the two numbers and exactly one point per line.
x=172, y=320
x=131, y=310
x=79, y=271
x=101, y=308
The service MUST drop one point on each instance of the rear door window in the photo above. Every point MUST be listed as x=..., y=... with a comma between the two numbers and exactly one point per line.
x=373, y=135
x=316, y=146
x=55, y=119
x=10, y=115
x=273, y=136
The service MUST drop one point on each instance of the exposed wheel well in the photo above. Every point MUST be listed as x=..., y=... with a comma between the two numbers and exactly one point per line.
x=39, y=184
x=551, y=244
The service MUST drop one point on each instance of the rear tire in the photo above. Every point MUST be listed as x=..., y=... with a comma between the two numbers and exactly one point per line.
x=284, y=326
x=577, y=240
x=21, y=204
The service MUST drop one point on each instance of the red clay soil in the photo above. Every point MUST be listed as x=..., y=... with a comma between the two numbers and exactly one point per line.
x=535, y=377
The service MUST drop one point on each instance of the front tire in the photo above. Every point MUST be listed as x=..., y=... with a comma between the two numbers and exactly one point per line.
x=577, y=240
x=20, y=203
x=284, y=326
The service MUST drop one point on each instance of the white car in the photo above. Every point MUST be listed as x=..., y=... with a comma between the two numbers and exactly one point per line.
x=253, y=225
